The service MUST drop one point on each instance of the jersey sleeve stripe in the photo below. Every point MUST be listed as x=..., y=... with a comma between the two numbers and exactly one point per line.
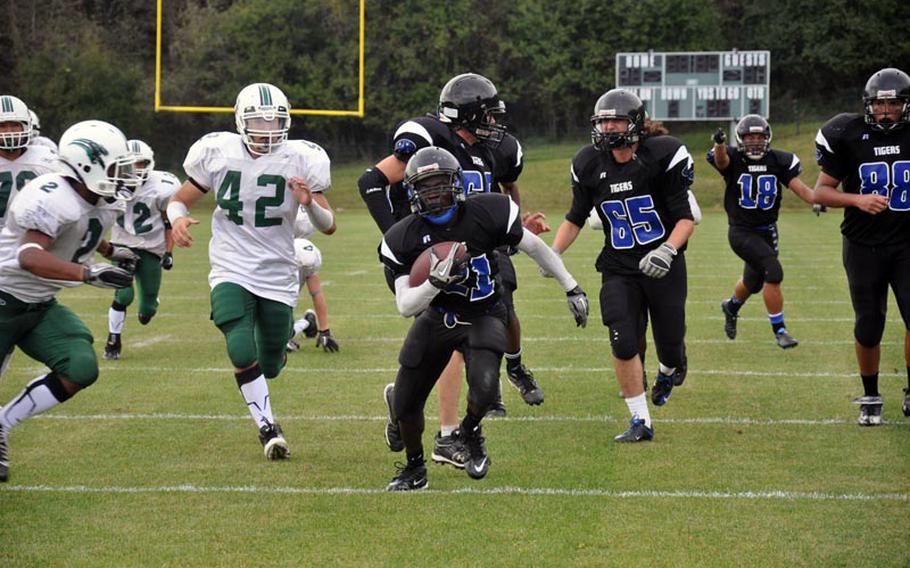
x=795, y=163
x=385, y=251
x=572, y=171
x=681, y=154
x=513, y=214
x=822, y=141
x=411, y=127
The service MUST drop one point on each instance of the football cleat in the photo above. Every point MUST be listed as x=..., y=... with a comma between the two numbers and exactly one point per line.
x=679, y=375
x=4, y=455
x=663, y=388
x=449, y=450
x=523, y=380
x=784, y=339
x=497, y=409
x=730, y=318
x=870, y=410
x=310, y=331
x=112, y=346
x=411, y=477
x=906, y=407
x=637, y=432
x=478, y=462
x=292, y=346
x=392, y=432
x=145, y=319
x=274, y=445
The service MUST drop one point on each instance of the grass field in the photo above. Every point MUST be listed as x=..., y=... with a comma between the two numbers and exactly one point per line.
x=757, y=459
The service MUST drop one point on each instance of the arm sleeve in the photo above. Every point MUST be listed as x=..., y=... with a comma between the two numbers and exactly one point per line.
x=374, y=190
x=412, y=301
x=678, y=176
x=544, y=256
x=581, y=201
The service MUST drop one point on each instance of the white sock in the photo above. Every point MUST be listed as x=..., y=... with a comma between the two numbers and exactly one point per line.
x=447, y=430
x=35, y=399
x=300, y=326
x=256, y=395
x=638, y=406
x=664, y=370
x=115, y=319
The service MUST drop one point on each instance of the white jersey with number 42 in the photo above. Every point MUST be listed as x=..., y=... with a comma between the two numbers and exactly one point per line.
x=253, y=224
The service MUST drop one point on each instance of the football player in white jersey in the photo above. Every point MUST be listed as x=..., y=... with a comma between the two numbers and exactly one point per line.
x=20, y=162
x=315, y=322
x=260, y=179
x=52, y=232
x=145, y=229
x=37, y=139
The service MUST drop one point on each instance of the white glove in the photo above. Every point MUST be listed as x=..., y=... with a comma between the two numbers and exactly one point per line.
x=123, y=256
x=445, y=271
x=578, y=305
x=656, y=264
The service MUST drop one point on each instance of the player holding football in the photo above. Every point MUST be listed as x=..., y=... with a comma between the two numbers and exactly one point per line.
x=52, y=232
x=868, y=155
x=754, y=174
x=260, y=179
x=145, y=230
x=459, y=304
x=639, y=189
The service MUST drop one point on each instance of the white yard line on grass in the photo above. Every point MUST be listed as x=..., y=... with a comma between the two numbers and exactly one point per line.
x=776, y=494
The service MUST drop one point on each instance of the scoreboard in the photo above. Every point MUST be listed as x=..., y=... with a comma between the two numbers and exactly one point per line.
x=699, y=85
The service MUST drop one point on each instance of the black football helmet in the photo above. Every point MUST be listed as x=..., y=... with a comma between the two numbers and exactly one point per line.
x=434, y=184
x=888, y=83
x=617, y=103
x=753, y=124
x=470, y=101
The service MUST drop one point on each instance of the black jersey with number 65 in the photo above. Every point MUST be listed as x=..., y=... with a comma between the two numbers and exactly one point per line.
x=638, y=202
x=867, y=160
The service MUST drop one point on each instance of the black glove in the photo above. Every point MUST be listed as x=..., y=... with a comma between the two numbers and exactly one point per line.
x=167, y=261
x=578, y=305
x=124, y=257
x=325, y=340
x=107, y=276
x=720, y=136
x=818, y=209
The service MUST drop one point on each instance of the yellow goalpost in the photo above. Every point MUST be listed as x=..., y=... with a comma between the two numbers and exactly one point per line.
x=310, y=112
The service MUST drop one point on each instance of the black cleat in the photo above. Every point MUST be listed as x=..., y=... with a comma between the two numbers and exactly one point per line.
x=637, y=432
x=679, y=375
x=906, y=407
x=145, y=319
x=112, y=346
x=411, y=477
x=392, y=431
x=870, y=410
x=663, y=388
x=310, y=330
x=497, y=409
x=478, y=461
x=523, y=380
x=784, y=339
x=274, y=445
x=449, y=450
x=730, y=318
x=4, y=455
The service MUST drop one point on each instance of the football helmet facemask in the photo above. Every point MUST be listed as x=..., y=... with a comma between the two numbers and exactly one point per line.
x=145, y=161
x=434, y=184
x=753, y=124
x=36, y=124
x=617, y=104
x=887, y=84
x=99, y=157
x=12, y=109
x=263, y=118
x=470, y=101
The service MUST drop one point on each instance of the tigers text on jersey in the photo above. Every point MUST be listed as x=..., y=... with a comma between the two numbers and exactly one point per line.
x=253, y=224
x=50, y=205
x=754, y=187
x=484, y=222
x=14, y=174
x=866, y=160
x=142, y=225
x=638, y=202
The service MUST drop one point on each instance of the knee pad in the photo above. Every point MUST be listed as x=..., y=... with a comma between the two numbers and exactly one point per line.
x=624, y=343
x=241, y=347
x=81, y=367
x=484, y=388
x=309, y=259
x=869, y=328
x=774, y=272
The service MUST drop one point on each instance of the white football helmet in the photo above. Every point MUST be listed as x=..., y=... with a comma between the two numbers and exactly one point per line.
x=12, y=109
x=100, y=158
x=145, y=154
x=36, y=124
x=262, y=113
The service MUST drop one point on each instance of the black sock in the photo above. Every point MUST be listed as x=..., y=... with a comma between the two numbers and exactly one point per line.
x=870, y=384
x=415, y=459
x=513, y=360
x=735, y=304
x=470, y=422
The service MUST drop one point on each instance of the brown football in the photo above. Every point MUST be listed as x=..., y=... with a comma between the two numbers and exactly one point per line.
x=420, y=270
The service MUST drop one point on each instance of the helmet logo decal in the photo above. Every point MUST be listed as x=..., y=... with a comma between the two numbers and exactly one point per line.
x=7, y=104
x=92, y=149
x=428, y=168
x=889, y=94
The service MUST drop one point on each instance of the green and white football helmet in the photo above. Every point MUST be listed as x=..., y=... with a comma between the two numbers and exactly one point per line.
x=263, y=118
x=13, y=110
x=145, y=162
x=100, y=158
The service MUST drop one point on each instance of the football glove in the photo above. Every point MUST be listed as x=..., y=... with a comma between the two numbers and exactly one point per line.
x=578, y=305
x=818, y=209
x=167, y=261
x=326, y=341
x=656, y=264
x=445, y=271
x=719, y=136
x=107, y=276
x=123, y=256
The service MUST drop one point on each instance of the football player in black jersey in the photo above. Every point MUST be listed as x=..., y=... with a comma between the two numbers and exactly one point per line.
x=639, y=189
x=466, y=125
x=868, y=155
x=459, y=305
x=754, y=175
